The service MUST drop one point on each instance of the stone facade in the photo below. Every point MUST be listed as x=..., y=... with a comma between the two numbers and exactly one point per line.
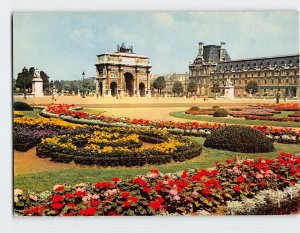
x=122, y=73
x=273, y=74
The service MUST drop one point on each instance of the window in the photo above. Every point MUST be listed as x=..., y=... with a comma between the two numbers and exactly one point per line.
x=272, y=81
x=279, y=80
x=265, y=81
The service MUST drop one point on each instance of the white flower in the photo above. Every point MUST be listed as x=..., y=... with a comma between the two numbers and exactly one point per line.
x=18, y=192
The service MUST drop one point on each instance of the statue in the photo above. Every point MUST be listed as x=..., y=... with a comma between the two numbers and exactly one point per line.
x=37, y=73
x=228, y=82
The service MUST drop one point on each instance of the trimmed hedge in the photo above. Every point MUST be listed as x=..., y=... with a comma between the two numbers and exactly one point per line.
x=194, y=108
x=220, y=112
x=240, y=139
x=21, y=106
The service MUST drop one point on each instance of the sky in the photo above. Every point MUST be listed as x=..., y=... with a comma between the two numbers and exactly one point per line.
x=65, y=44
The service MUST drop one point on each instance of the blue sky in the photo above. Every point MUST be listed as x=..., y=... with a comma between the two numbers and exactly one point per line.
x=65, y=44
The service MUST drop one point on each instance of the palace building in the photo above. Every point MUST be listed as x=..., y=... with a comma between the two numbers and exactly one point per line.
x=273, y=74
x=123, y=73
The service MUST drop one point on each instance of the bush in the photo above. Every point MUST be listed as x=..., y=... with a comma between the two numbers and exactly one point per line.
x=220, y=112
x=215, y=106
x=194, y=108
x=240, y=139
x=21, y=106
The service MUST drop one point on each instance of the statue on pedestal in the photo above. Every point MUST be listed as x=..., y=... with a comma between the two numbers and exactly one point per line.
x=228, y=82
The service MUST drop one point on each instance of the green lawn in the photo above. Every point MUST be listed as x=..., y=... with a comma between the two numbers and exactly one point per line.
x=38, y=182
x=182, y=114
x=33, y=113
x=284, y=114
x=93, y=110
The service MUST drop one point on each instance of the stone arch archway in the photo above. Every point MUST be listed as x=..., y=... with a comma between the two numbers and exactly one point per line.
x=129, y=83
x=142, y=89
x=113, y=87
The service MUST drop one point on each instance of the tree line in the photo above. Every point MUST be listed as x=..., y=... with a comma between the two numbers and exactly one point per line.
x=24, y=81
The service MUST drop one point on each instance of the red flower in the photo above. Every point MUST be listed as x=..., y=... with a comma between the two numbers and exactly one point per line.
x=147, y=190
x=91, y=211
x=184, y=175
x=209, y=199
x=206, y=191
x=69, y=195
x=116, y=179
x=57, y=205
x=71, y=205
x=241, y=179
x=79, y=193
x=125, y=194
x=262, y=183
x=126, y=203
x=154, y=171
x=154, y=204
x=68, y=214
x=237, y=188
x=133, y=199
x=59, y=188
x=140, y=182
x=81, y=212
x=57, y=198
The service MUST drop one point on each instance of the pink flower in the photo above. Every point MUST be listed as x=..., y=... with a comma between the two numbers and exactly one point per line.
x=177, y=198
x=173, y=191
x=195, y=194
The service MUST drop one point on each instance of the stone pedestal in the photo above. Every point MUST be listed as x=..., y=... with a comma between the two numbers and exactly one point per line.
x=229, y=93
x=62, y=93
x=78, y=93
x=108, y=92
x=148, y=93
x=37, y=87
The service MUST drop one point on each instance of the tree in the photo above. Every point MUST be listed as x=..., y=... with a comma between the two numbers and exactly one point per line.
x=26, y=77
x=252, y=87
x=177, y=88
x=192, y=87
x=159, y=84
x=58, y=85
x=74, y=86
x=24, y=81
x=215, y=89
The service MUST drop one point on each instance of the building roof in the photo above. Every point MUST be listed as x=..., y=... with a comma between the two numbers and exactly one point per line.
x=211, y=54
x=259, y=63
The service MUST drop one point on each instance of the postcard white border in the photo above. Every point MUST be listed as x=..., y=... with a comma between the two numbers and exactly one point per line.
x=122, y=224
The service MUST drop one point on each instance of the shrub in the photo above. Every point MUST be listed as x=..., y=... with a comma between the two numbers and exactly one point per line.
x=21, y=106
x=240, y=139
x=194, y=108
x=220, y=112
x=215, y=106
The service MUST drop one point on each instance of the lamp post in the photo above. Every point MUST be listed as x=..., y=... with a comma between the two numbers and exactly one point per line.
x=83, y=74
x=24, y=76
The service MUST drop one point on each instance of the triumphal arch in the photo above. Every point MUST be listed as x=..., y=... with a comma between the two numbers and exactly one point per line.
x=123, y=73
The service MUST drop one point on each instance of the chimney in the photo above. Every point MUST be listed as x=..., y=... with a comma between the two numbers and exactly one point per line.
x=200, y=51
x=222, y=51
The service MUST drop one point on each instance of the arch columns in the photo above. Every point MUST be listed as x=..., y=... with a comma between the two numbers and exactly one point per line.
x=121, y=90
x=108, y=90
x=137, y=81
x=148, y=93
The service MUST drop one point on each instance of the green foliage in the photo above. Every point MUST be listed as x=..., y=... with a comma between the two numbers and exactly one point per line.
x=177, y=88
x=220, y=112
x=252, y=87
x=215, y=88
x=159, y=83
x=240, y=139
x=21, y=106
x=192, y=86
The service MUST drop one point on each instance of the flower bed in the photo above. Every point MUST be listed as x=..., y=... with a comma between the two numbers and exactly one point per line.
x=291, y=119
x=183, y=193
x=28, y=131
x=296, y=114
x=283, y=135
x=282, y=107
x=112, y=148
